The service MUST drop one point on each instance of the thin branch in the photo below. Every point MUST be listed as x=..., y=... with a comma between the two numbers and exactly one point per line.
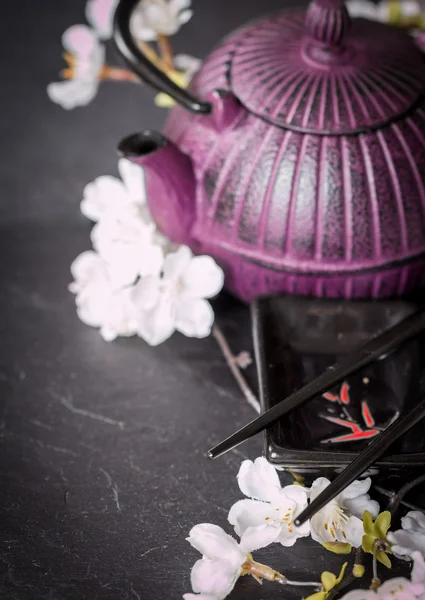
x=395, y=501
x=391, y=495
x=166, y=51
x=347, y=580
x=232, y=363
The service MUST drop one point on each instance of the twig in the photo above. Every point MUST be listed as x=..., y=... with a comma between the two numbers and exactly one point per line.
x=391, y=495
x=165, y=51
x=154, y=58
x=232, y=363
x=117, y=74
x=395, y=501
x=348, y=580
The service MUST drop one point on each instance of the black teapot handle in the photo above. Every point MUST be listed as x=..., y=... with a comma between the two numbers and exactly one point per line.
x=143, y=67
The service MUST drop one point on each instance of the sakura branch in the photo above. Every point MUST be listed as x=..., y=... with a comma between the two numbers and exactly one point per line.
x=152, y=23
x=266, y=517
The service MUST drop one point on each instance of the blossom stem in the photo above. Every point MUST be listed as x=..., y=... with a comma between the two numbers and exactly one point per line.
x=232, y=363
x=396, y=500
x=154, y=58
x=284, y=581
x=117, y=74
x=375, y=562
x=165, y=50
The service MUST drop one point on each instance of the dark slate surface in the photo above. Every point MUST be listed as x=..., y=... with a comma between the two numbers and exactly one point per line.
x=103, y=468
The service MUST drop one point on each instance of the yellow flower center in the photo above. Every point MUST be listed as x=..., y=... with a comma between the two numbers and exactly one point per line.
x=336, y=521
x=285, y=517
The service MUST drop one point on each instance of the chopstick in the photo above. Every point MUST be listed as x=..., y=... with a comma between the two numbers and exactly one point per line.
x=366, y=354
x=364, y=460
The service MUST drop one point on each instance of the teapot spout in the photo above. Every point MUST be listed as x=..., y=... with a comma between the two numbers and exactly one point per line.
x=169, y=180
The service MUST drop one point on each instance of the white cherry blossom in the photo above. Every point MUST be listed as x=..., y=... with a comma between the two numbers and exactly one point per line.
x=200, y=597
x=340, y=520
x=159, y=17
x=223, y=560
x=269, y=505
x=101, y=299
x=401, y=12
x=85, y=56
x=368, y=10
x=108, y=195
x=398, y=588
x=411, y=537
x=128, y=238
x=176, y=299
x=100, y=15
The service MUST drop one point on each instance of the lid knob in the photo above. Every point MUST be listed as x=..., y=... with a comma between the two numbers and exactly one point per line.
x=327, y=22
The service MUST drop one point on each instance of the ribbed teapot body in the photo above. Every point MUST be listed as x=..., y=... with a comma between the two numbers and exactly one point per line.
x=288, y=208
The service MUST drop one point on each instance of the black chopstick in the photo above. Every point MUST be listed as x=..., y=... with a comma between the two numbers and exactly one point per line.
x=364, y=460
x=372, y=350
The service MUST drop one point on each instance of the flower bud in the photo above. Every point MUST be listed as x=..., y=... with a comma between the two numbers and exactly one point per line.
x=358, y=570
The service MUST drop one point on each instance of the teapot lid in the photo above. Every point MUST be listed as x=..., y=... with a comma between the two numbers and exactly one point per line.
x=326, y=73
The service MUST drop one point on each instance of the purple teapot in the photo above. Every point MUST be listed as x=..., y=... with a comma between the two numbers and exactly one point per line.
x=297, y=158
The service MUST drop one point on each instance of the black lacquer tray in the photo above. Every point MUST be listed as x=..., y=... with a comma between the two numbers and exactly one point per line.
x=295, y=340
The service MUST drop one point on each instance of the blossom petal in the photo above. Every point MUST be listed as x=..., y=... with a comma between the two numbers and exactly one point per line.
x=194, y=317
x=134, y=181
x=211, y=541
x=353, y=532
x=71, y=94
x=102, y=196
x=418, y=571
x=176, y=263
x=323, y=530
x=368, y=10
x=255, y=538
x=100, y=14
x=200, y=597
x=188, y=63
x=414, y=521
x=406, y=542
x=318, y=486
x=80, y=40
x=400, y=588
x=216, y=577
x=149, y=260
x=185, y=16
x=202, y=277
x=176, y=6
x=355, y=489
x=88, y=314
x=146, y=293
x=246, y=514
x=84, y=266
x=259, y=480
x=156, y=325
x=357, y=506
x=360, y=595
